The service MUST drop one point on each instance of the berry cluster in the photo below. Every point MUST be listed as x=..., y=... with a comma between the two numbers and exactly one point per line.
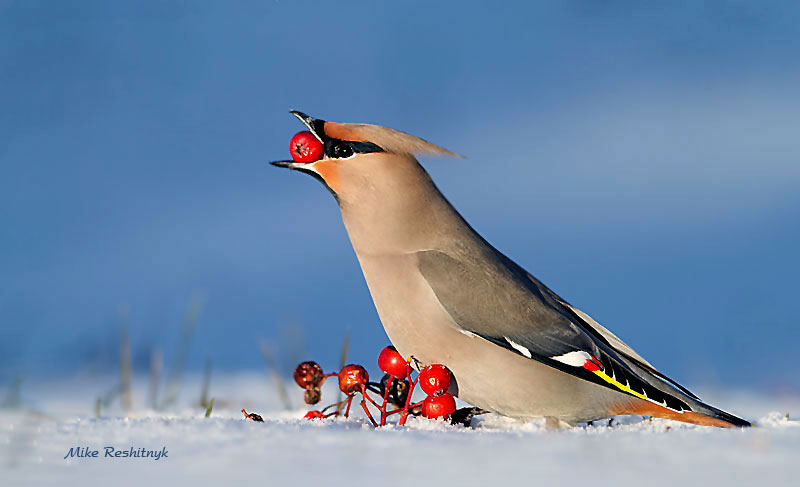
x=395, y=389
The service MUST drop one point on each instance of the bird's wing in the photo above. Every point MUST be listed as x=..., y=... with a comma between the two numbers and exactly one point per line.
x=612, y=339
x=492, y=297
x=621, y=347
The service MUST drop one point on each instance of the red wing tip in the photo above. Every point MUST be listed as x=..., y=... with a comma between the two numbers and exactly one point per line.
x=592, y=364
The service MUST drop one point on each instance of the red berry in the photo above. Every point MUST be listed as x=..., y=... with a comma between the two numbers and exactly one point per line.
x=308, y=374
x=305, y=147
x=438, y=406
x=392, y=363
x=314, y=415
x=434, y=379
x=351, y=378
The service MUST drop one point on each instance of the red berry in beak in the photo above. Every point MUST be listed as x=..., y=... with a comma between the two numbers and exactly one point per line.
x=351, y=378
x=308, y=374
x=438, y=406
x=392, y=363
x=305, y=147
x=434, y=379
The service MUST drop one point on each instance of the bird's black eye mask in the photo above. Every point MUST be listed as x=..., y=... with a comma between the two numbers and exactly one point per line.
x=337, y=148
x=344, y=149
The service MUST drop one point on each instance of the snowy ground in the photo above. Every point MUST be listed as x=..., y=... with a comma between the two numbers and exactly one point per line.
x=226, y=450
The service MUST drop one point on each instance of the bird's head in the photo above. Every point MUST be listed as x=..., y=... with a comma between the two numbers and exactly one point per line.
x=385, y=196
x=351, y=159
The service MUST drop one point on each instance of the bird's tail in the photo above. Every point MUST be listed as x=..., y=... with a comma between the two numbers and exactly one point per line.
x=702, y=414
x=657, y=395
x=720, y=415
x=679, y=404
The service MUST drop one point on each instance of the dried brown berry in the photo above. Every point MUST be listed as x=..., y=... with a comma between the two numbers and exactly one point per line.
x=308, y=374
x=312, y=395
x=351, y=378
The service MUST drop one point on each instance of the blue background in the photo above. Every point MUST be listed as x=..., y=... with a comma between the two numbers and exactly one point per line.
x=642, y=160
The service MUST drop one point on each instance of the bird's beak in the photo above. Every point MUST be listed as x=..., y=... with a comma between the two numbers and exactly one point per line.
x=288, y=164
x=316, y=127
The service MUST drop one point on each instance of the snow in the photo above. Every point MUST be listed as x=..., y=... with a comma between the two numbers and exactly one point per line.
x=225, y=449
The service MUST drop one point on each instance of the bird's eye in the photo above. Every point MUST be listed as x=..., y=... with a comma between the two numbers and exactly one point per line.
x=342, y=150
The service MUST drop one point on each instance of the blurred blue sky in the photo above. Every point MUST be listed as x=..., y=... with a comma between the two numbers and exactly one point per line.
x=641, y=158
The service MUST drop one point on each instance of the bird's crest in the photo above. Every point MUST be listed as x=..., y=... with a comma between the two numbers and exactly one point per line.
x=390, y=140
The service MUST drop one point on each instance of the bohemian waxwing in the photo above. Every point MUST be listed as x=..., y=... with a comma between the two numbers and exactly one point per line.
x=445, y=295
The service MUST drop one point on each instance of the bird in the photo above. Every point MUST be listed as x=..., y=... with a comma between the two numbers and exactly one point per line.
x=444, y=295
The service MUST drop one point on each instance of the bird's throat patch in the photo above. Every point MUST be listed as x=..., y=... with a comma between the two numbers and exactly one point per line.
x=327, y=169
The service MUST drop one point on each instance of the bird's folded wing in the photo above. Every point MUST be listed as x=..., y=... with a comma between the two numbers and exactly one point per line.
x=492, y=297
x=621, y=347
x=610, y=337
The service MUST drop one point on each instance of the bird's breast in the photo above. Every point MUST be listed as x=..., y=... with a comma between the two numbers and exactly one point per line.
x=486, y=375
x=408, y=308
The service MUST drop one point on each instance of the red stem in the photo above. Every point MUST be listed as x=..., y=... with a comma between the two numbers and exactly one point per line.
x=411, y=386
x=325, y=377
x=400, y=410
x=369, y=415
x=365, y=394
x=336, y=404
x=386, y=399
x=347, y=411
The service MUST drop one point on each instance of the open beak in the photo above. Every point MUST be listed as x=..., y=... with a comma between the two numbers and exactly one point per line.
x=316, y=127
